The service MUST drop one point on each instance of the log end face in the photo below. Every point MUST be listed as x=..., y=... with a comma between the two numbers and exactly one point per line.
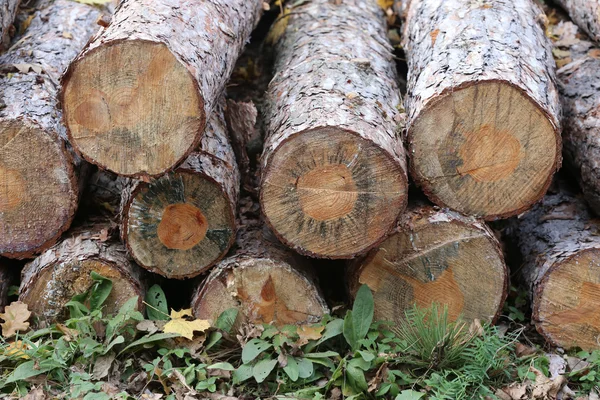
x=38, y=189
x=179, y=225
x=567, y=302
x=330, y=193
x=486, y=150
x=132, y=107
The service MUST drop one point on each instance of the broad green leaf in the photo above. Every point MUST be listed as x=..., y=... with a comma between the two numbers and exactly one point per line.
x=332, y=329
x=323, y=354
x=305, y=368
x=357, y=378
x=149, y=339
x=100, y=291
x=97, y=396
x=30, y=369
x=349, y=333
x=262, y=369
x=409, y=395
x=291, y=369
x=225, y=366
x=362, y=312
x=360, y=363
x=253, y=348
x=368, y=357
x=243, y=373
x=227, y=319
x=213, y=339
x=158, y=310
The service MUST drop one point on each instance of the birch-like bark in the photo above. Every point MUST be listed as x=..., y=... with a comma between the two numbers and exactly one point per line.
x=586, y=14
x=8, y=11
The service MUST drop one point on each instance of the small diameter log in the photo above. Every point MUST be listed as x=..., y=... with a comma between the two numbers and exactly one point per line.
x=184, y=222
x=333, y=168
x=264, y=281
x=483, y=120
x=136, y=100
x=435, y=256
x=63, y=271
x=560, y=244
x=8, y=11
x=586, y=14
x=580, y=96
x=40, y=177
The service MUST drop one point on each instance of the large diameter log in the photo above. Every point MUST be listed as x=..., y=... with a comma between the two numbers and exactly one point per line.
x=182, y=223
x=580, y=100
x=586, y=14
x=40, y=177
x=560, y=244
x=333, y=168
x=435, y=256
x=266, y=282
x=483, y=121
x=8, y=11
x=63, y=271
x=136, y=100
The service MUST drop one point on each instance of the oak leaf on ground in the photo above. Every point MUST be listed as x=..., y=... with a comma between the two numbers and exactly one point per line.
x=15, y=318
x=179, y=324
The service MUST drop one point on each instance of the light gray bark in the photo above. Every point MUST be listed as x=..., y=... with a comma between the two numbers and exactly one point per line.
x=8, y=11
x=586, y=14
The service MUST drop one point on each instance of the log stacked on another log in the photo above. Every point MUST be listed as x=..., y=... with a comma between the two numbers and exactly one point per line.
x=8, y=11
x=483, y=120
x=435, y=256
x=267, y=282
x=40, y=177
x=137, y=99
x=333, y=168
x=63, y=271
x=560, y=244
x=586, y=14
x=6, y=279
x=182, y=223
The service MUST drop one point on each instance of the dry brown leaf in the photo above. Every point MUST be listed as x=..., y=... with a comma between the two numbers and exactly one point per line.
x=545, y=388
x=524, y=350
x=17, y=349
x=15, y=318
x=594, y=53
x=36, y=394
x=516, y=391
x=179, y=324
x=307, y=333
x=70, y=334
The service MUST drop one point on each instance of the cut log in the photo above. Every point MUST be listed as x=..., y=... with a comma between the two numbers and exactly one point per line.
x=40, y=177
x=586, y=14
x=483, y=120
x=333, y=168
x=266, y=282
x=136, y=100
x=63, y=271
x=560, y=244
x=184, y=222
x=435, y=256
x=8, y=11
x=580, y=99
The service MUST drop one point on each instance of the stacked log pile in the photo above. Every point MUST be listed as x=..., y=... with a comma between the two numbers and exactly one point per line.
x=8, y=11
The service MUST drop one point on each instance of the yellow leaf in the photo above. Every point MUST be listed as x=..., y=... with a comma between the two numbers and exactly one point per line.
x=307, y=333
x=178, y=324
x=278, y=28
x=17, y=349
x=385, y=4
x=15, y=316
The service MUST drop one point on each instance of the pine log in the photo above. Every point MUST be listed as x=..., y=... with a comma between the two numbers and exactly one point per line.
x=40, y=177
x=63, y=271
x=8, y=11
x=137, y=99
x=265, y=281
x=435, y=256
x=560, y=244
x=580, y=97
x=333, y=168
x=586, y=14
x=182, y=223
x=483, y=108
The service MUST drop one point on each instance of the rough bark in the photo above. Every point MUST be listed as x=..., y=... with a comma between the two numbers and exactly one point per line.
x=184, y=222
x=586, y=14
x=436, y=256
x=265, y=281
x=482, y=104
x=6, y=279
x=39, y=175
x=8, y=11
x=560, y=244
x=115, y=114
x=333, y=167
x=52, y=279
x=580, y=97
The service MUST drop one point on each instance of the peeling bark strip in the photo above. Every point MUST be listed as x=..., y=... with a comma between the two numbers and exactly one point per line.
x=39, y=175
x=586, y=14
x=580, y=96
x=435, y=256
x=8, y=11
x=560, y=244
x=483, y=109
x=136, y=100
x=333, y=169
x=184, y=222
x=52, y=279
x=265, y=281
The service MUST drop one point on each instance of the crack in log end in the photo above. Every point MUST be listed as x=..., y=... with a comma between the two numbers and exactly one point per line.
x=182, y=226
x=135, y=101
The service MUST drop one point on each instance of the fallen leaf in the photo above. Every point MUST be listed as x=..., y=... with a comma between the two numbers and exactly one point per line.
x=17, y=349
x=15, y=318
x=102, y=366
x=523, y=350
x=516, y=391
x=545, y=388
x=178, y=324
x=278, y=28
x=67, y=35
x=147, y=326
x=26, y=24
x=69, y=334
x=307, y=333
x=36, y=394
x=594, y=53
x=385, y=4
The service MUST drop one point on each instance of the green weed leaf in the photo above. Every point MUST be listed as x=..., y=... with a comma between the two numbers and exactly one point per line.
x=291, y=369
x=262, y=369
x=253, y=348
x=409, y=395
x=158, y=310
x=227, y=319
